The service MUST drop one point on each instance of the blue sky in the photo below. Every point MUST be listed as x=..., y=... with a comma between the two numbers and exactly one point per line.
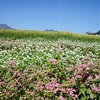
x=78, y=16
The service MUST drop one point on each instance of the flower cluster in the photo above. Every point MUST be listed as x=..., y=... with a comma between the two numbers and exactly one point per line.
x=49, y=71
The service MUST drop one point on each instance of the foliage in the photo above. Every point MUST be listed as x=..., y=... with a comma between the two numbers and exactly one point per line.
x=20, y=34
x=41, y=69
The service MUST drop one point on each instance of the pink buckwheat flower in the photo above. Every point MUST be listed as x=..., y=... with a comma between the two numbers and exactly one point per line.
x=25, y=71
x=88, y=68
x=16, y=81
x=72, y=80
x=97, y=76
x=62, y=98
x=63, y=90
x=80, y=69
x=96, y=89
x=56, y=84
x=60, y=89
x=34, y=74
x=91, y=96
x=53, y=61
x=32, y=93
x=90, y=77
x=16, y=73
x=49, y=87
x=75, y=72
x=71, y=92
x=78, y=76
x=84, y=66
x=56, y=90
x=2, y=83
x=91, y=63
x=59, y=50
x=12, y=63
x=11, y=86
x=69, y=69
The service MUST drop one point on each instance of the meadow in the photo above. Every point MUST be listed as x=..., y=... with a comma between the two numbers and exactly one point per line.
x=37, y=65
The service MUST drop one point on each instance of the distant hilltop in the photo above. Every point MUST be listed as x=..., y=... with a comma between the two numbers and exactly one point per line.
x=97, y=33
x=51, y=30
x=5, y=26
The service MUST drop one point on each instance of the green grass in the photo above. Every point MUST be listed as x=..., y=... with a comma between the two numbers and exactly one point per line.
x=23, y=34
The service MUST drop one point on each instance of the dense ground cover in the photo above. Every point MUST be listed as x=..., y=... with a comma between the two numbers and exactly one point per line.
x=20, y=34
x=38, y=68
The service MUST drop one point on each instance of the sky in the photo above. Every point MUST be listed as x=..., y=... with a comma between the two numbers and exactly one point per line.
x=77, y=16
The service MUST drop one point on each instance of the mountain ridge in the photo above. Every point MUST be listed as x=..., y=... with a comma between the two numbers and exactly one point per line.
x=5, y=26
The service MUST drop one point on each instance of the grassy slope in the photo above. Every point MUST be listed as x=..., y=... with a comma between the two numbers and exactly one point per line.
x=21, y=34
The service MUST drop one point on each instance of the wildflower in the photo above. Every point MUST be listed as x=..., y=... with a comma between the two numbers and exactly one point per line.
x=71, y=92
x=91, y=96
x=90, y=77
x=41, y=98
x=34, y=74
x=12, y=63
x=32, y=93
x=96, y=89
x=97, y=76
x=75, y=72
x=71, y=89
x=88, y=55
x=25, y=71
x=58, y=50
x=62, y=98
x=40, y=88
x=72, y=80
x=53, y=79
x=63, y=90
x=56, y=90
x=69, y=69
x=84, y=66
x=78, y=76
x=16, y=73
x=80, y=69
x=2, y=83
x=88, y=68
x=91, y=63
x=16, y=80
x=56, y=84
x=43, y=65
x=11, y=86
x=49, y=87
x=24, y=98
x=53, y=61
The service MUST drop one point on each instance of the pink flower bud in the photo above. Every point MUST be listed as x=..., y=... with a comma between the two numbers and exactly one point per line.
x=53, y=61
x=12, y=63
x=62, y=98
